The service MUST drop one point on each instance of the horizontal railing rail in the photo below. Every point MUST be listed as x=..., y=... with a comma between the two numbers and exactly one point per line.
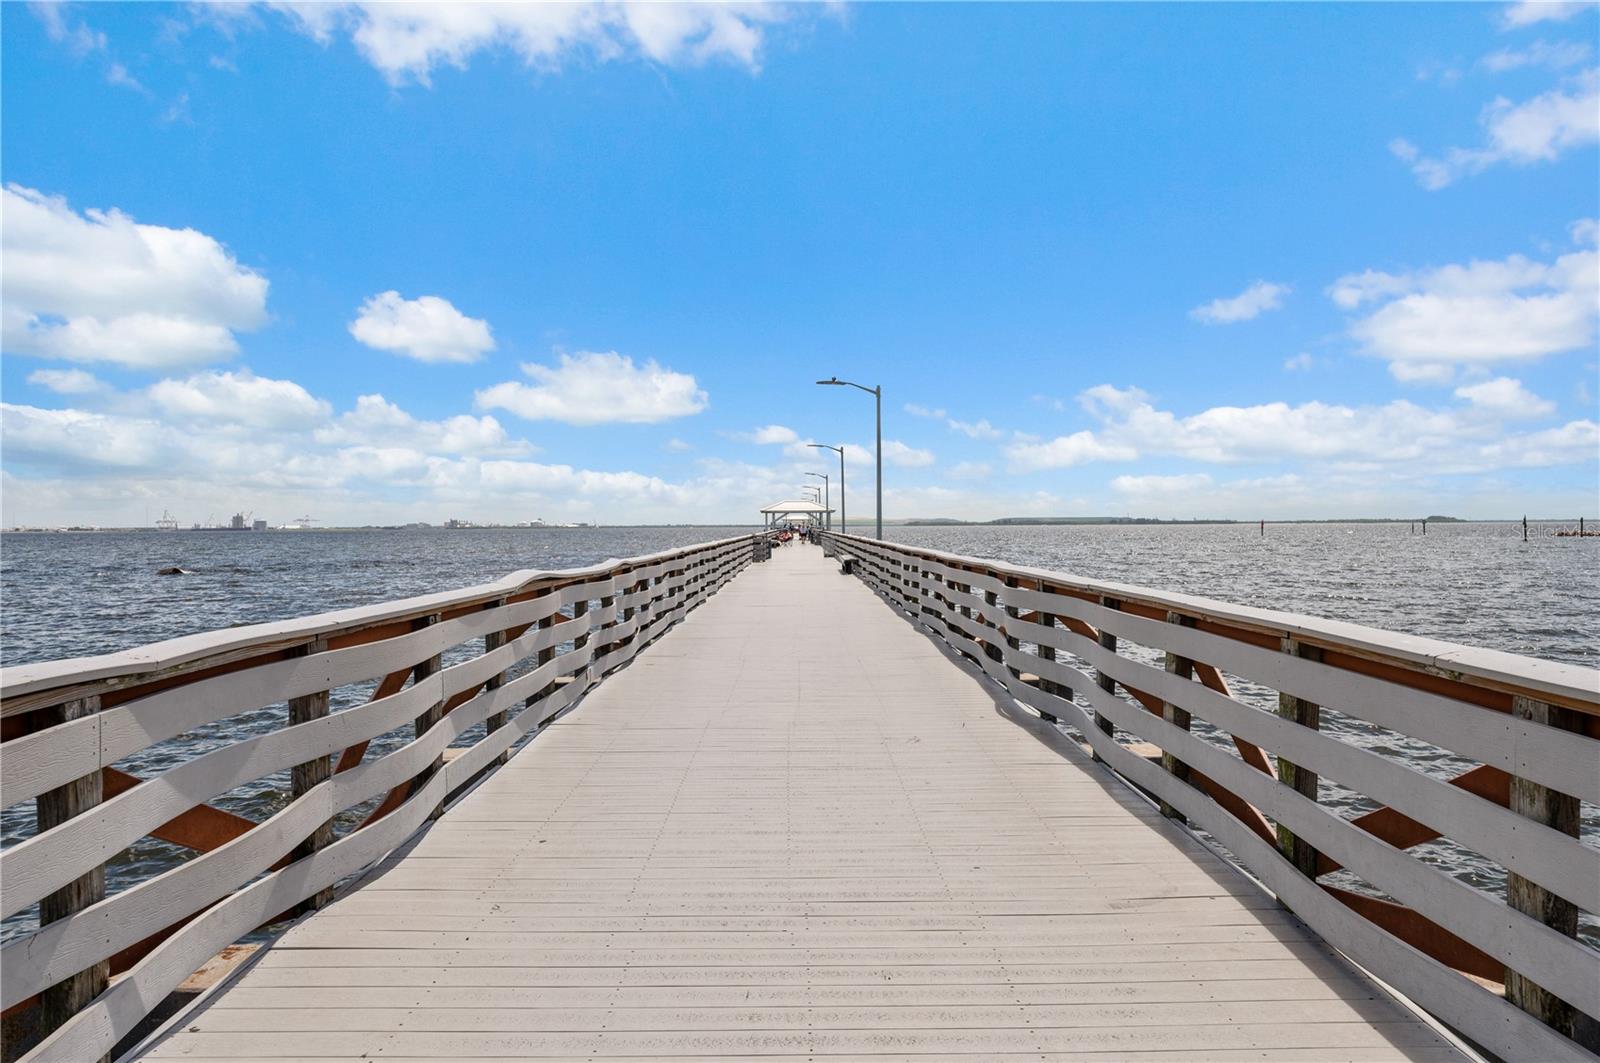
x=1155, y=683
x=382, y=713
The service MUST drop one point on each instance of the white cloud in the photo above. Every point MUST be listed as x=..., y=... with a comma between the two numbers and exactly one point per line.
x=1528, y=12
x=77, y=38
x=916, y=410
x=1301, y=362
x=971, y=470
x=240, y=399
x=1398, y=433
x=427, y=328
x=1485, y=312
x=1063, y=452
x=1536, y=130
x=100, y=287
x=1506, y=398
x=597, y=388
x=408, y=42
x=1146, y=486
x=1251, y=303
x=909, y=457
x=976, y=429
x=772, y=434
x=1557, y=56
x=66, y=381
x=377, y=421
x=117, y=74
x=677, y=446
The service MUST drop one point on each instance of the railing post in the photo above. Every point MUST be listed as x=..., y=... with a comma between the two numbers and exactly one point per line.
x=1108, y=641
x=1183, y=667
x=491, y=642
x=435, y=713
x=1560, y=811
x=991, y=616
x=545, y=656
x=303, y=778
x=1298, y=778
x=71, y=995
x=1048, y=653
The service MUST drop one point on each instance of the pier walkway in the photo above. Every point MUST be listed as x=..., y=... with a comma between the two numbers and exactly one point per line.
x=796, y=827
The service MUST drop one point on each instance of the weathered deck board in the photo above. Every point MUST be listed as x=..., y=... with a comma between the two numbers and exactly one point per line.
x=793, y=828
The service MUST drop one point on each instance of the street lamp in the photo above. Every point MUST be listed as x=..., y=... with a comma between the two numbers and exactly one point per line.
x=827, y=499
x=877, y=393
x=843, y=524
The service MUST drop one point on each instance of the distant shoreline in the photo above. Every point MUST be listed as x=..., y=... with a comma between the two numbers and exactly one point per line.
x=911, y=522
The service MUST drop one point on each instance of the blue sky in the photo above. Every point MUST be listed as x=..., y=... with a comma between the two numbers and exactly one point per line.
x=584, y=262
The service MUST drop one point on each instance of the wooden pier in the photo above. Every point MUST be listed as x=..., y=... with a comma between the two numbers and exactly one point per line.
x=797, y=826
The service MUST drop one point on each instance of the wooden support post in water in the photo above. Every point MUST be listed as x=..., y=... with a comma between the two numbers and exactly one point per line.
x=1296, y=777
x=1560, y=811
x=1183, y=667
x=435, y=713
x=491, y=642
x=72, y=994
x=1524, y=527
x=1108, y=640
x=303, y=778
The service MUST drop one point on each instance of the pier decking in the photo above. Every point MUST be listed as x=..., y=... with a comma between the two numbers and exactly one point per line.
x=795, y=827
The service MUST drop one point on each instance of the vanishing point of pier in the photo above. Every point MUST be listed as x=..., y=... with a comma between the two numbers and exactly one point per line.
x=927, y=806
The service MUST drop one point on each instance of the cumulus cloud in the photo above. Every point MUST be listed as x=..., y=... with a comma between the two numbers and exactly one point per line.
x=771, y=435
x=1506, y=398
x=427, y=328
x=66, y=381
x=101, y=287
x=1249, y=304
x=408, y=42
x=904, y=455
x=377, y=421
x=1396, y=433
x=1426, y=323
x=597, y=388
x=241, y=399
x=1537, y=130
x=1528, y=12
x=1063, y=452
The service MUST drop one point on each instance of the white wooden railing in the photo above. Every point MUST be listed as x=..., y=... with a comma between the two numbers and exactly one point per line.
x=519, y=652
x=1148, y=679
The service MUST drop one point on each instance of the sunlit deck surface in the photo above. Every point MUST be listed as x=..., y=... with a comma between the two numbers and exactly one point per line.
x=795, y=828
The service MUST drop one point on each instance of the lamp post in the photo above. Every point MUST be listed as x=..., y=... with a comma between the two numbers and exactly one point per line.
x=827, y=499
x=844, y=525
x=877, y=393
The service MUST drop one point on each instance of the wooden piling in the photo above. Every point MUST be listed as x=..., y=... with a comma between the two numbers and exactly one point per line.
x=1173, y=714
x=433, y=715
x=311, y=774
x=1561, y=812
x=71, y=995
x=1108, y=640
x=496, y=720
x=1297, y=777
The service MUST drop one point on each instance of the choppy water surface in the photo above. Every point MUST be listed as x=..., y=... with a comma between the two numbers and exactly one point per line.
x=72, y=594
